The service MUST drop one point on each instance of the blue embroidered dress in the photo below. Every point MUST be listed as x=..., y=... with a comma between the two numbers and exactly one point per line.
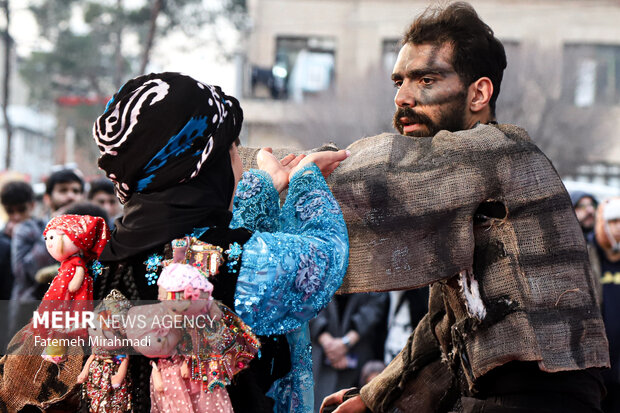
x=290, y=268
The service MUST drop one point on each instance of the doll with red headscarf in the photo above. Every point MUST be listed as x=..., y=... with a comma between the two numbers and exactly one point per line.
x=26, y=379
x=73, y=240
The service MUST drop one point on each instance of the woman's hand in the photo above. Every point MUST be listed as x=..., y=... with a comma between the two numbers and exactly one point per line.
x=327, y=161
x=278, y=170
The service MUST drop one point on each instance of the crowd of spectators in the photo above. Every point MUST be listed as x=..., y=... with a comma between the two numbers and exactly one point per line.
x=26, y=266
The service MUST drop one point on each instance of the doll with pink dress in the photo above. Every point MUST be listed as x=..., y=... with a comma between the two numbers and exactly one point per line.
x=215, y=343
x=169, y=390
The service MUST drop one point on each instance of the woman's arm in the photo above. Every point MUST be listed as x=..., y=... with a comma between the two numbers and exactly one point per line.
x=287, y=277
x=257, y=203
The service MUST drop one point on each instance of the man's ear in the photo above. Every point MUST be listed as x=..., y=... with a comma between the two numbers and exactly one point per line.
x=480, y=93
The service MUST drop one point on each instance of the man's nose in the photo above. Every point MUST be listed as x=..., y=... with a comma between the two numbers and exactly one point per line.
x=404, y=96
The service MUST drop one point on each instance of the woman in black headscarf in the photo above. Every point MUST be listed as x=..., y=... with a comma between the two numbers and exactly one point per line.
x=168, y=142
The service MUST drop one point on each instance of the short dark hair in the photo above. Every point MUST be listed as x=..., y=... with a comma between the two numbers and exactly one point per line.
x=61, y=177
x=100, y=185
x=16, y=193
x=86, y=208
x=476, y=51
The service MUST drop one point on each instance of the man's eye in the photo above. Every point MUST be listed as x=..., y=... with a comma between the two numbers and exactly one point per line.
x=427, y=81
x=398, y=84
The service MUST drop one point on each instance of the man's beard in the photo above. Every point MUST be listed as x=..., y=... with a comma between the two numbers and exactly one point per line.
x=452, y=118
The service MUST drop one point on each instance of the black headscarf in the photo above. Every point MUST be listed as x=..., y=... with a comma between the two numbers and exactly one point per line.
x=164, y=141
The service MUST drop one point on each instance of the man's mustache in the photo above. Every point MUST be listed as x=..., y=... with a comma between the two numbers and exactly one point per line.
x=412, y=116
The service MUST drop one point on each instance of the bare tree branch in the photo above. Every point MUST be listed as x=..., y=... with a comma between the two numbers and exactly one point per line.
x=7, y=75
x=148, y=45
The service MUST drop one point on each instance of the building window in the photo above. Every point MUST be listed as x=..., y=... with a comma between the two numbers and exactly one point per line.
x=592, y=74
x=304, y=66
x=389, y=53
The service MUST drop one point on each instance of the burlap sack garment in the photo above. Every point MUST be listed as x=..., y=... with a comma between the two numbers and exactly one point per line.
x=27, y=379
x=410, y=205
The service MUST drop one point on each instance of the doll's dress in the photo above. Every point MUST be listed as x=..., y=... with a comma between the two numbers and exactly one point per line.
x=102, y=396
x=185, y=395
x=221, y=349
x=59, y=288
x=58, y=297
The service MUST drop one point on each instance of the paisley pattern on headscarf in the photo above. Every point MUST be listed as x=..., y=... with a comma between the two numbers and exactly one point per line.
x=161, y=129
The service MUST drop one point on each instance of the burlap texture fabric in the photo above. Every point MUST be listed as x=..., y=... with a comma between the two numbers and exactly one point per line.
x=28, y=380
x=409, y=205
x=412, y=211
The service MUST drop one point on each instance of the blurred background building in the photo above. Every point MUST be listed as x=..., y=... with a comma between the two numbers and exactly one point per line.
x=318, y=70
x=306, y=71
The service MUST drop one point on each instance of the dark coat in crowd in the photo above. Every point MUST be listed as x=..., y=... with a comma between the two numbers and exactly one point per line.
x=364, y=313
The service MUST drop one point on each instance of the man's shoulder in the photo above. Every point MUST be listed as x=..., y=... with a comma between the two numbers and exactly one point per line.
x=500, y=137
x=500, y=134
x=29, y=226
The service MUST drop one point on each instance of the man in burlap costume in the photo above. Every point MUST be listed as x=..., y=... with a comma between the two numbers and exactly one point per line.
x=479, y=213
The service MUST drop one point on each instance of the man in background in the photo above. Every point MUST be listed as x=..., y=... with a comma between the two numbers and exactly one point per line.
x=28, y=252
x=585, y=208
x=17, y=198
x=102, y=193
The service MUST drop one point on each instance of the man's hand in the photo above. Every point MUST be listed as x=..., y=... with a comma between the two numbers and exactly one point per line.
x=353, y=405
x=327, y=161
x=278, y=170
x=9, y=227
x=340, y=364
x=335, y=350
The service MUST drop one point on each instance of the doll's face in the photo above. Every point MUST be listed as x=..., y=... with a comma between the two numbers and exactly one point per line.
x=184, y=306
x=59, y=245
x=154, y=335
x=103, y=334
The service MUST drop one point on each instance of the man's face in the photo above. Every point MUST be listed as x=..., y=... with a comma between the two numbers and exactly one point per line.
x=614, y=228
x=585, y=210
x=430, y=96
x=17, y=213
x=64, y=194
x=108, y=202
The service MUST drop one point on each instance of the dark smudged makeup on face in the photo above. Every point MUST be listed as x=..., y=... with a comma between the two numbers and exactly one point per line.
x=431, y=93
x=451, y=114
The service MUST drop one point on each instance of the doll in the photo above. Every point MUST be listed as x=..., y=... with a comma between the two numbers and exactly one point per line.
x=26, y=379
x=105, y=372
x=72, y=240
x=220, y=346
x=158, y=340
x=185, y=292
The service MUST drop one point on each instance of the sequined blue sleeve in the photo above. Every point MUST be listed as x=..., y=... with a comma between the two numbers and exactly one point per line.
x=287, y=277
x=257, y=203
